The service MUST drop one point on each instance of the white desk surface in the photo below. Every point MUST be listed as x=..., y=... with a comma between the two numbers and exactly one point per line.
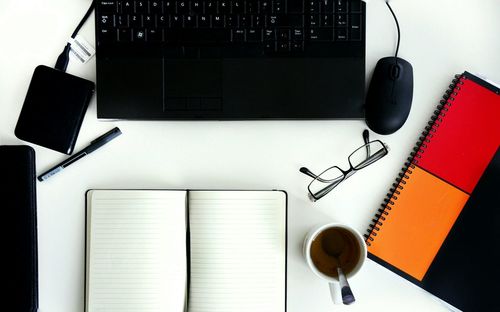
x=440, y=38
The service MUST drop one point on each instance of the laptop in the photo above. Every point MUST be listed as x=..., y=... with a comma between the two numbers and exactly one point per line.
x=230, y=59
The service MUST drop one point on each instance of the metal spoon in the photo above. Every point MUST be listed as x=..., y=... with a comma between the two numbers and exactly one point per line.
x=334, y=246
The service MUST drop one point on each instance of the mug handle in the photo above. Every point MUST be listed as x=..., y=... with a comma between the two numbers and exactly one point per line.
x=335, y=292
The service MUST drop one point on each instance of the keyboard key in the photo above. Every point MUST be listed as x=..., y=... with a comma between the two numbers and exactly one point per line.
x=326, y=20
x=284, y=46
x=218, y=21
x=238, y=35
x=197, y=7
x=279, y=6
x=254, y=35
x=176, y=21
x=141, y=7
x=341, y=6
x=297, y=46
x=107, y=35
x=298, y=34
x=245, y=21
x=210, y=7
x=269, y=35
x=205, y=35
x=313, y=20
x=355, y=6
x=106, y=21
x=340, y=20
x=149, y=21
x=326, y=6
x=190, y=21
x=181, y=7
x=162, y=21
x=265, y=7
x=155, y=7
x=126, y=7
x=355, y=20
x=272, y=21
x=107, y=7
x=312, y=6
x=232, y=21
x=169, y=7
x=270, y=47
x=283, y=34
x=238, y=7
x=224, y=7
x=320, y=34
x=355, y=33
x=154, y=35
x=135, y=21
x=124, y=35
x=251, y=7
x=341, y=34
x=284, y=21
x=204, y=21
x=257, y=21
x=139, y=35
x=121, y=21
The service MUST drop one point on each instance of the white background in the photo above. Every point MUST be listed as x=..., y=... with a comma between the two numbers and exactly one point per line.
x=439, y=37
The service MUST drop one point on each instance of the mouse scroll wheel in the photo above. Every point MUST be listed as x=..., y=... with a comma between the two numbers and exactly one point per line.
x=395, y=72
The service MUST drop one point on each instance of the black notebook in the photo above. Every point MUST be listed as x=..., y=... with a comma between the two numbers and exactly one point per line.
x=465, y=272
x=194, y=251
x=19, y=230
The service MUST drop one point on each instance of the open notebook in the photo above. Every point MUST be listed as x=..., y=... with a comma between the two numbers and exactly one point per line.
x=194, y=251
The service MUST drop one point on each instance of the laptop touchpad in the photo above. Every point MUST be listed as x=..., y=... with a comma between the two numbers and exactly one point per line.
x=192, y=78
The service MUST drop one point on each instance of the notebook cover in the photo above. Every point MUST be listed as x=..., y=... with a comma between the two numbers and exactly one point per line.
x=421, y=217
x=19, y=228
x=465, y=271
x=409, y=235
x=463, y=145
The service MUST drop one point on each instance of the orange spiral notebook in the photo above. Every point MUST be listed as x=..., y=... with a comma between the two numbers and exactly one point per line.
x=435, y=184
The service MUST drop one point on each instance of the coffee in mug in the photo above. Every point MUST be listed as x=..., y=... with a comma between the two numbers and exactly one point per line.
x=326, y=245
x=334, y=245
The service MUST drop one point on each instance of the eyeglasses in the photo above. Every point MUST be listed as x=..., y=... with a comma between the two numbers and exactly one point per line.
x=362, y=157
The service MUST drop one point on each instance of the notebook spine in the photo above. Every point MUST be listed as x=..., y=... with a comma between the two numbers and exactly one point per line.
x=436, y=119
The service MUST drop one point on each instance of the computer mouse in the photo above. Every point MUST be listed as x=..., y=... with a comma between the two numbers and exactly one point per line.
x=389, y=97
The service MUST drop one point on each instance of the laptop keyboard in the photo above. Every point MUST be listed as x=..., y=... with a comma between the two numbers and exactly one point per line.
x=236, y=27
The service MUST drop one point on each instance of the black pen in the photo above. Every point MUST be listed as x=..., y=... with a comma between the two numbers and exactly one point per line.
x=97, y=143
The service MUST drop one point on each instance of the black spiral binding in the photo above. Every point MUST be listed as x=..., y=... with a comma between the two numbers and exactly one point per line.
x=432, y=126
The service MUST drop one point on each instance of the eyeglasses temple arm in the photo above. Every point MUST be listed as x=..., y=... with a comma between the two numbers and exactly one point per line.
x=366, y=138
x=307, y=172
x=328, y=188
x=373, y=158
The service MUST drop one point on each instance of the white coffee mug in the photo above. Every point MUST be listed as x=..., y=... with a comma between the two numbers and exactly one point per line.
x=333, y=282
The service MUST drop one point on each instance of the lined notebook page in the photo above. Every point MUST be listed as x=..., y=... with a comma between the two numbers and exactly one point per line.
x=238, y=251
x=136, y=251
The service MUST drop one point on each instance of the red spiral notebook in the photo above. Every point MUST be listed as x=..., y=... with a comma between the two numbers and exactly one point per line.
x=435, y=184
